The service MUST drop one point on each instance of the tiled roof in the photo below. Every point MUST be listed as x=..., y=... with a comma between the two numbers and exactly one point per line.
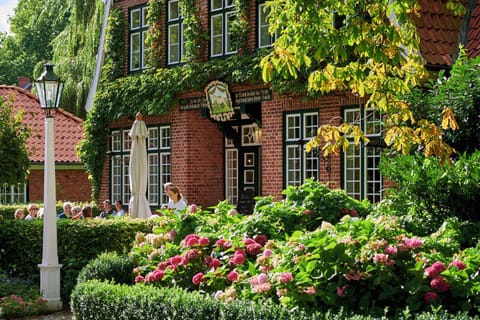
x=68, y=128
x=438, y=28
x=473, y=37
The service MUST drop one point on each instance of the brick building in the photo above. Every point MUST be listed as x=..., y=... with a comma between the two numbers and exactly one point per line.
x=257, y=146
x=72, y=182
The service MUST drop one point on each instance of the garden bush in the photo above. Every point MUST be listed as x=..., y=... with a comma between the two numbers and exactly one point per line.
x=363, y=264
x=109, y=266
x=78, y=243
x=427, y=192
x=94, y=300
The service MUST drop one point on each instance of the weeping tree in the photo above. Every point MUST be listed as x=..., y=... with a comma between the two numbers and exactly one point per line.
x=75, y=51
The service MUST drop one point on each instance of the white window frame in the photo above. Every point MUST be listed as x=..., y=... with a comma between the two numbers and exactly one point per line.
x=300, y=165
x=137, y=37
x=175, y=22
x=262, y=25
x=158, y=164
x=10, y=194
x=361, y=174
x=224, y=12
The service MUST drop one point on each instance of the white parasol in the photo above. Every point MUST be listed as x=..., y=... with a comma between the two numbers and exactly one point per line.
x=138, y=206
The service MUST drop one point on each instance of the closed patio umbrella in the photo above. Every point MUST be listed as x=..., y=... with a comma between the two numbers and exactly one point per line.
x=138, y=206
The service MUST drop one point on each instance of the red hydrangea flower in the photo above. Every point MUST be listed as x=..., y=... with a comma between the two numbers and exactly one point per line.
x=191, y=240
x=232, y=276
x=286, y=277
x=139, y=279
x=429, y=297
x=439, y=284
x=204, y=241
x=261, y=238
x=198, y=278
x=254, y=249
x=460, y=265
x=436, y=268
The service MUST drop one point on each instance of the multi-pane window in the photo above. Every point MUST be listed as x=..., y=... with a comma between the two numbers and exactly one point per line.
x=176, y=45
x=300, y=165
x=13, y=194
x=222, y=14
x=158, y=158
x=138, y=33
x=361, y=174
x=231, y=171
x=265, y=39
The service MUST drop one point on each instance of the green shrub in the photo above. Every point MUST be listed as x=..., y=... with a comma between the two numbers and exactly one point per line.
x=79, y=241
x=109, y=266
x=427, y=192
x=94, y=300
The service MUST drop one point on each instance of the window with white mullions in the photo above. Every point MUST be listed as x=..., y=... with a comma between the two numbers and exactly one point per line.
x=222, y=14
x=13, y=193
x=265, y=38
x=138, y=32
x=159, y=167
x=361, y=174
x=300, y=165
x=175, y=39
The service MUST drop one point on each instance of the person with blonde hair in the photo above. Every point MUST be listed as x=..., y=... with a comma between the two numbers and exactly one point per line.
x=19, y=214
x=32, y=211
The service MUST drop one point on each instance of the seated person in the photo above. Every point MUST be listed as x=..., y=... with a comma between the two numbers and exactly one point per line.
x=67, y=211
x=19, y=214
x=119, y=211
x=107, y=210
x=176, y=202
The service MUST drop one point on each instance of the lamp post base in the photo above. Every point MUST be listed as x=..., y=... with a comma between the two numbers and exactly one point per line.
x=50, y=285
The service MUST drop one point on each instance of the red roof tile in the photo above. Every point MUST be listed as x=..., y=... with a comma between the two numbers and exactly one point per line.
x=473, y=36
x=438, y=28
x=68, y=128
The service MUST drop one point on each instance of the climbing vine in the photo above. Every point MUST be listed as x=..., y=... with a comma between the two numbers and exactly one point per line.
x=239, y=27
x=194, y=36
x=154, y=34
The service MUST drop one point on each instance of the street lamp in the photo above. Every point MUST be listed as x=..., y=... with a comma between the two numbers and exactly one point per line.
x=49, y=89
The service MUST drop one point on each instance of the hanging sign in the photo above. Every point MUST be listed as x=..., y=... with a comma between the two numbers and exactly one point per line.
x=219, y=101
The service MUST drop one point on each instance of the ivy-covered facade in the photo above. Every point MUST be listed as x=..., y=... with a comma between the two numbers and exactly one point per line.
x=192, y=68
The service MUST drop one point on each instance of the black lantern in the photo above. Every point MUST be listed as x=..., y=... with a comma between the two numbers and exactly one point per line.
x=49, y=90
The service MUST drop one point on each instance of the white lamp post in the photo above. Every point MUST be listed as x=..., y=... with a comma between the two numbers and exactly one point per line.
x=49, y=89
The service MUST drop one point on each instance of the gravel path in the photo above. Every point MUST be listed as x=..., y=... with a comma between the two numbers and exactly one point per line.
x=60, y=315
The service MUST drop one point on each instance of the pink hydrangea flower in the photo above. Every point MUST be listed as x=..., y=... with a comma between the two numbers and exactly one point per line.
x=310, y=290
x=193, y=208
x=391, y=250
x=460, y=265
x=439, y=284
x=158, y=274
x=139, y=279
x=286, y=277
x=261, y=288
x=381, y=258
x=434, y=270
x=238, y=257
x=198, y=278
x=267, y=253
x=413, y=243
x=204, y=241
x=342, y=291
x=429, y=297
x=212, y=262
x=254, y=249
x=191, y=240
x=232, y=276
x=261, y=238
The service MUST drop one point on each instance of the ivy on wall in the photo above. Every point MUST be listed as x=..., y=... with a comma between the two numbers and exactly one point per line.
x=156, y=90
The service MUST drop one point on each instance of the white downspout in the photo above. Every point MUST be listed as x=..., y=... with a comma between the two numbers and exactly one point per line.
x=100, y=56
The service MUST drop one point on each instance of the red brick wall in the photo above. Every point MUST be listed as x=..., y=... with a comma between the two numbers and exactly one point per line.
x=197, y=143
x=71, y=185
